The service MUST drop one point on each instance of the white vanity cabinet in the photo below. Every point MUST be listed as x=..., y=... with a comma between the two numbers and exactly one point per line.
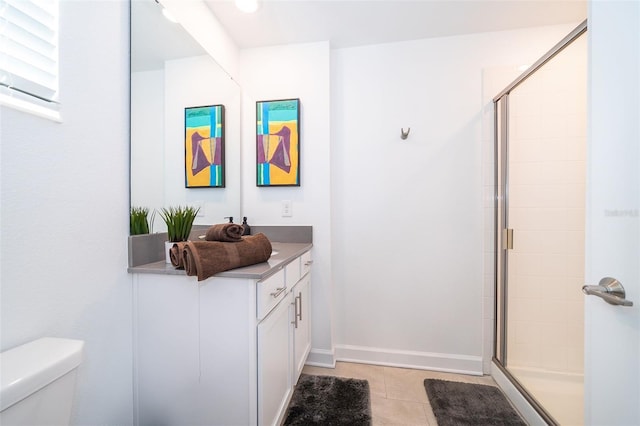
x=274, y=371
x=280, y=365
x=224, y=351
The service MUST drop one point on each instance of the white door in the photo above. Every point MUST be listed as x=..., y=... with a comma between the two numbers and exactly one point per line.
x=612, y=342
x=302, y=325
x=274, y=372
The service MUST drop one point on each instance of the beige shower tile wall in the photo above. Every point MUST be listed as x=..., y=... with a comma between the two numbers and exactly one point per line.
x=547, y=163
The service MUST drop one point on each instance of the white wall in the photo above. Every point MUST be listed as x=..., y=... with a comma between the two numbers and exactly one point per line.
x=295, y=71
x=147, y=137
x=64, y=213
x=408, y=263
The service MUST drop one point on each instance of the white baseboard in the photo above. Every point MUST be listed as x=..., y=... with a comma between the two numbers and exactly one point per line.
x=451, y=363
x=525, y=409
x=321, y=358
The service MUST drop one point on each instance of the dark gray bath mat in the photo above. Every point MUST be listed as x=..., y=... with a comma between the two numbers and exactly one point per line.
x=325, y=400
x=456, y=404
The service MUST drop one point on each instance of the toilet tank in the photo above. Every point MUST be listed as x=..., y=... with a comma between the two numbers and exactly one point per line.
x=37, y=382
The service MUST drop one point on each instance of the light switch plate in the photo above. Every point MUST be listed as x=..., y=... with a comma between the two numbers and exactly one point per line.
x=286, y=208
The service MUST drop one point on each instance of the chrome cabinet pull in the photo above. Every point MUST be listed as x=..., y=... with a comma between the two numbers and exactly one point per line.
x=296, y=315
x=300, y=299
x=278, y=291
x=609, y=289
x=308, y=262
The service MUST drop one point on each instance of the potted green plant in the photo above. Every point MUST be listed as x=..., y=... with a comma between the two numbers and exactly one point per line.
x=139, y=221
x=179, y=221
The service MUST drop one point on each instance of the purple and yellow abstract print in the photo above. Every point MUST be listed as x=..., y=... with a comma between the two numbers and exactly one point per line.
x=204, y=146
x=278, y=142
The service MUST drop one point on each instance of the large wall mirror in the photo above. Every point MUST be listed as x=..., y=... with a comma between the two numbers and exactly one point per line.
x=170, y=71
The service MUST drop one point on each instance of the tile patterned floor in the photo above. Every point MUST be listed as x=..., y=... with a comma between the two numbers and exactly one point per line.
x=398, y=396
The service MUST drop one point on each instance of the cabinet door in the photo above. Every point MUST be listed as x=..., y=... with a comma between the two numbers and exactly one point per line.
x=302, y=324
x=274, y=373
x=167, y=354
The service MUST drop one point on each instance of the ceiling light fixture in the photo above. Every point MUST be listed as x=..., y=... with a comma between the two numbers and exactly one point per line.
x=247, y=6
x=169, y=16
x=166, y=13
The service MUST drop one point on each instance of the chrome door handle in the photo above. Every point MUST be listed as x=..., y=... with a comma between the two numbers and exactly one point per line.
x=609, y=289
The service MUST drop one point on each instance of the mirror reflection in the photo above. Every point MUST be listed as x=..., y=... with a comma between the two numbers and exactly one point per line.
x=170, y=72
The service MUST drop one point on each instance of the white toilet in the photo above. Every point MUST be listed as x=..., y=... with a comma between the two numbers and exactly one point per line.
x=38, y=382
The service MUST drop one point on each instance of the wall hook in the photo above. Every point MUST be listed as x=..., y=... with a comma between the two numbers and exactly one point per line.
x=403, y=134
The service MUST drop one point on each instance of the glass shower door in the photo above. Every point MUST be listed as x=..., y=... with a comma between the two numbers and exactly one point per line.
x=543, y=224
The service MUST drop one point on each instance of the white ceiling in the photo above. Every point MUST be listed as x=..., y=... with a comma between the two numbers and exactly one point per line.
x=347, y=23
x=344, y=23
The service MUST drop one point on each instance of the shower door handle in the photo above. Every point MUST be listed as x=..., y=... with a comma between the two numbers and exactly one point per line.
x=609, y=289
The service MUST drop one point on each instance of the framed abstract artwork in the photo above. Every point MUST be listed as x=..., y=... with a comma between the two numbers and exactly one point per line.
x=204, y=146
x=278, y=142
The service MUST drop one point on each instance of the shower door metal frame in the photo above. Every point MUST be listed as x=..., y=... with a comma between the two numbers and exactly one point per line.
x=501, y=219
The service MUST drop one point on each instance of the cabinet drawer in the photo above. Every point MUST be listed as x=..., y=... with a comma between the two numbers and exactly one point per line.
x=270, y=292
x=305, y=263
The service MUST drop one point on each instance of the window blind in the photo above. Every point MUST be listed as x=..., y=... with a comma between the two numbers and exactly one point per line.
x=29, y=47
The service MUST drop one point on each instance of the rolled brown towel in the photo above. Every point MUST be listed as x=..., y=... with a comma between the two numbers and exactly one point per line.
x=175, y=253
x=206, y=258
x=228, y=232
